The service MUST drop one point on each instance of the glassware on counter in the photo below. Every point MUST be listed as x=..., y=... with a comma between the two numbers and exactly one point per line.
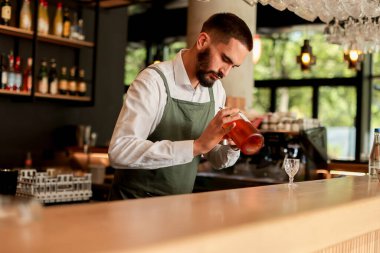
x=291, y=167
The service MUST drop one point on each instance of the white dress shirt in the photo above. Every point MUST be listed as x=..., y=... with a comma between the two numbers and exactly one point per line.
x=142, y=111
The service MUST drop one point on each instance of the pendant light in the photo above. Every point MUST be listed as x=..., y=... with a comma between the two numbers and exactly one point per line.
x=306, y=57
x=353, y=58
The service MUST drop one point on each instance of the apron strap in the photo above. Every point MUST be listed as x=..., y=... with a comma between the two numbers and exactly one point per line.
x=210, y=90
x=163, y=78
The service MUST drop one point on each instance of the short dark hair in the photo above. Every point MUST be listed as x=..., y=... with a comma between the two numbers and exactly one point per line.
x=225, y=26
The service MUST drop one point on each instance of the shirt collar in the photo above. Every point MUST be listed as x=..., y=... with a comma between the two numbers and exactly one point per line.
x=180, y=75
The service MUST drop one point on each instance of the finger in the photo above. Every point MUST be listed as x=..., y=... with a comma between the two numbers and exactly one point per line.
x=230, y=118
x=229, y=111
x=228, y=128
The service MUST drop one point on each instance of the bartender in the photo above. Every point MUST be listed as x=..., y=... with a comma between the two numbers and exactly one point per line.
x=171, y=115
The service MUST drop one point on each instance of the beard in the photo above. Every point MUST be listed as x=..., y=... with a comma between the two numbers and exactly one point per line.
x=202, y=71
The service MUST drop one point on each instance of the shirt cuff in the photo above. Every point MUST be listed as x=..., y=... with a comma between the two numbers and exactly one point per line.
x=183, y=151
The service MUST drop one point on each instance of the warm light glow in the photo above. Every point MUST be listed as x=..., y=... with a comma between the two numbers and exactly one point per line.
x=305, y=58
x=353, y=58
x=354, y=55
x=256, y=49
x=346, y=173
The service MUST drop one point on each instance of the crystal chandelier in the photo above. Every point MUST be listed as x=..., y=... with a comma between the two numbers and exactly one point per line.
x=353, y=24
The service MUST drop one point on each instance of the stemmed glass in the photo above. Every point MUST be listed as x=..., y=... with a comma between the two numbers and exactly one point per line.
x=291, y=167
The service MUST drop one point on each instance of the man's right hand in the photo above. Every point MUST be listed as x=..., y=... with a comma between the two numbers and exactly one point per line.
x=215, y=130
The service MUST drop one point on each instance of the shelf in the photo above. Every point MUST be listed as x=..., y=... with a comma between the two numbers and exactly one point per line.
x=64, y=42
x=63, y=97
x=15, y=93
x=17, y=32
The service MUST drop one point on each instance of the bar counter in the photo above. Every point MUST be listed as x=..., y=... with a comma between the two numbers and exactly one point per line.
x=332, y=215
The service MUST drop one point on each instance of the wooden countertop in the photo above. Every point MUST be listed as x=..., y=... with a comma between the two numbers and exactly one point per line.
x=272, y=218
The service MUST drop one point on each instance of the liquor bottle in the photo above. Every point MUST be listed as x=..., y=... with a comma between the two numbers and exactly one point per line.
x=374, y=157
x=46, y=17
x=6, y=12
x=4, y=72
x=18, y=75
x=66, y=23
x=53, y=78
x=11, y=73
x=26, y=16
x=27, y=77
x=74, y=27
x=80, y=29
x=62, y=86
x=43, y=84
x=81, y=86
x=58, y=21
x=72, y=82
x=28, y=160
x=41, y=28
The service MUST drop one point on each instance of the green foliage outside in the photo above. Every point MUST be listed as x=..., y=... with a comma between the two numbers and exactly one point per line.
x=134, y=63
x=136, y=54
x=291, y=99
x=278, y=61
x=375, y=105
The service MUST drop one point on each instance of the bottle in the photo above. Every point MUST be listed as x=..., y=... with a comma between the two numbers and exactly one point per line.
x=246, y=137
x=72, y=85
x=41, y=18
x=11, y=73
x=62, y=86
x=74, y=27
x=66, y=23
x=4, y=72
x=27, y=77
x=80, y=30
x=81, y=86
x=46, y=17
x=28, y=160
x=58, y=21
x=53, y=78
x=6, y=12
x=26, y=16
x=374, y=157
x=18, y=75
x=43, y=84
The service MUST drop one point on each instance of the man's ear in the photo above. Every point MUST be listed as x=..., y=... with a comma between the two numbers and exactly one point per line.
x=203, y=40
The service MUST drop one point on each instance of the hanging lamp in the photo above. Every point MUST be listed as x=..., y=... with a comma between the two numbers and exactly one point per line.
x=306, y=58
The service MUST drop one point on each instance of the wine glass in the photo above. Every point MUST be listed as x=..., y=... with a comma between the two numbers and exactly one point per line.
x=291, y=167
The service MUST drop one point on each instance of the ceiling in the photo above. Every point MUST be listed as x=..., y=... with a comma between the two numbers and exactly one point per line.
x=155, y=23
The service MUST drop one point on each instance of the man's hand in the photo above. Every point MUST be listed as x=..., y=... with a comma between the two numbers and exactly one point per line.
x=216, y=130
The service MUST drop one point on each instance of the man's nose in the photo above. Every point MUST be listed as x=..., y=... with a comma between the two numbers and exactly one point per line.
x=226, y=69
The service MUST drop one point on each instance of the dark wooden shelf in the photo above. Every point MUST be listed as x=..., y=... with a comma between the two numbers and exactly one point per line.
x=63, y=41
x=17, y=32
x=21, y=33
x=15, y=93
x=63, y=97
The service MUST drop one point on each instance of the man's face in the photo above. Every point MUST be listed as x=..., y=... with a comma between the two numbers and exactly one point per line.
x=205, y=75
x=216, y=60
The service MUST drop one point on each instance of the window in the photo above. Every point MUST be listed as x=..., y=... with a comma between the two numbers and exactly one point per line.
x=295, y=100
x=337, y=112
x=328, y=91
x=137, y=53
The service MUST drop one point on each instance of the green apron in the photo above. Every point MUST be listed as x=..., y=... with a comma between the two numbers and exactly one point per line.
x=181, y=120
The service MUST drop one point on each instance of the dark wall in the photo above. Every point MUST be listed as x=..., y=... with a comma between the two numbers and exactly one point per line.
x=33, y=125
